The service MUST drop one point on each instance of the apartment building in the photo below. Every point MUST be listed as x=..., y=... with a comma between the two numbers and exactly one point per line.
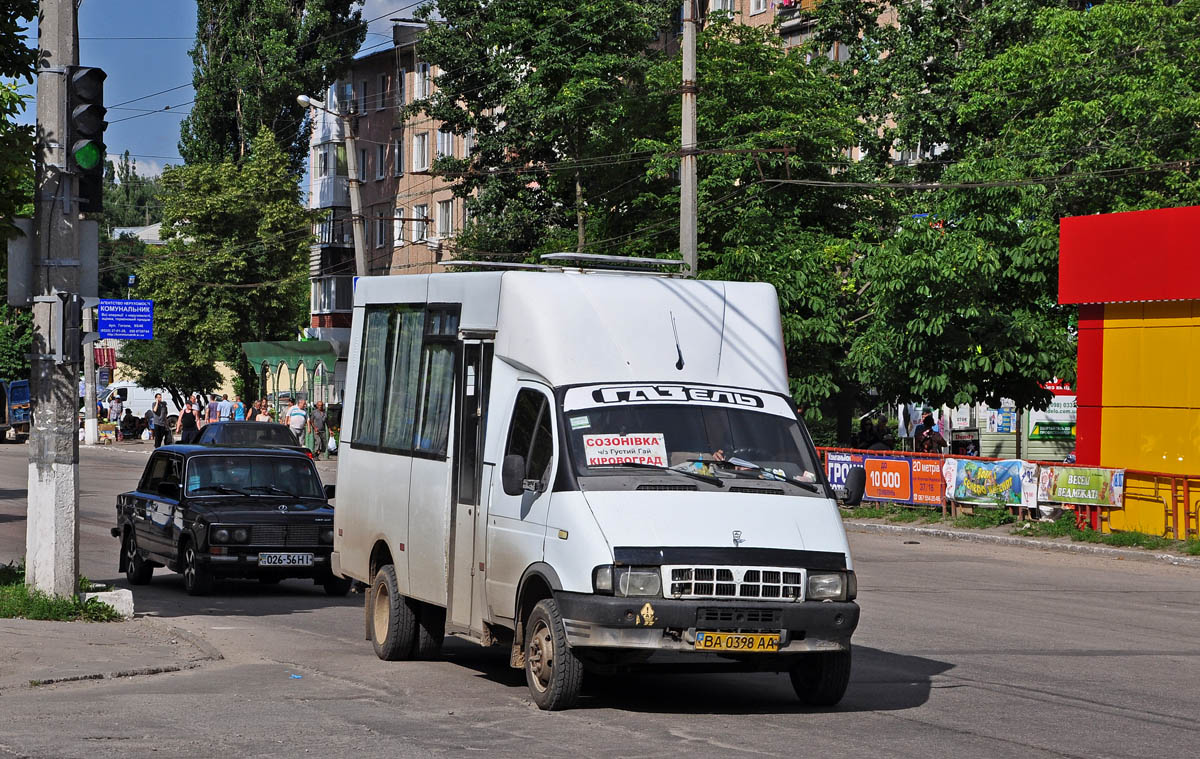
x=410, y=215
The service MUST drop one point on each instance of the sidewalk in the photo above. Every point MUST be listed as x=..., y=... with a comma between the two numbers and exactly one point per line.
x=1002, y=536
x=34, y=653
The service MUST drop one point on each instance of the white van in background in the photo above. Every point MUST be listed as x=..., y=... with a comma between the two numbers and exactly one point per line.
x=596, y=470
x=137, y=399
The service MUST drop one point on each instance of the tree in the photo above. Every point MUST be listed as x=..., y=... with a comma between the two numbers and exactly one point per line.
x=542, y=85
x=130, y=200
x=233, y=270
x=252, y=58
x=17, y=61
x=1080, y=109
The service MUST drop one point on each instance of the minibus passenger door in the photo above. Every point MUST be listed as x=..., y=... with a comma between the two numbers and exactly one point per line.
x=473, y=388
x=519, y=503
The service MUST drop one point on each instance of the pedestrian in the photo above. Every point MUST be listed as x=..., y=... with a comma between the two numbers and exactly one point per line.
x=212, y=413
x=129, y=424
x=115, y=407
x=224, y=409
x=188, y=424
x=316, y=422
x=264, y=414
x=929, y=440
x=158, y=417
x=239, y=409
x=297, y=420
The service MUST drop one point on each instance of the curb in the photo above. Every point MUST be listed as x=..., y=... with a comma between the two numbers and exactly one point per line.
x=1044, y=545
x=211, y=653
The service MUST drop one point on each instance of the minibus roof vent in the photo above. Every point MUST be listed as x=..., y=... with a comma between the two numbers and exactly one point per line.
x=618, y=263
x=487, y=264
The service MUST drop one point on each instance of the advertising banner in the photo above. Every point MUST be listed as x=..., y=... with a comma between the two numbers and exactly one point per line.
x=1057, y=422
x=1011, y=482
x=897, y=478
x=1003, y=422
x=1082, y=486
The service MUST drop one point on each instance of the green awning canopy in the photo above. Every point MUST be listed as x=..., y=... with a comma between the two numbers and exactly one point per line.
x=291, y=353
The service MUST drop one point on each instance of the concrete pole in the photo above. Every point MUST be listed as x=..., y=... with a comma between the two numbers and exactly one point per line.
x=355, y=185
x=52, y=529
x=91, y=425
x=687, y=159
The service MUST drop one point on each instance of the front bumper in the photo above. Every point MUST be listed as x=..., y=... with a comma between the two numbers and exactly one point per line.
x=667, y=624
x=243, y=562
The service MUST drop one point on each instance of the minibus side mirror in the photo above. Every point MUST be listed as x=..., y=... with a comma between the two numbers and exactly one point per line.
x=856, y=485
x=512, y=474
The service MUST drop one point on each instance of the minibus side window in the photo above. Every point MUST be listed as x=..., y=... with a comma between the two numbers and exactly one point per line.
x=402, y=380
x=438, y=386
x=372, y=378
x=531, y=434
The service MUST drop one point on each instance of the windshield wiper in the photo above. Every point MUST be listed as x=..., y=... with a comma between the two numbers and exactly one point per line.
x=221, y=489
x=734, y=465
x=694, y=475
x=273, y=489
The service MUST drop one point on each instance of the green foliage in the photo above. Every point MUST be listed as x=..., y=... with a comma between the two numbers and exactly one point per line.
x=17, y=600
x=233, y=270
x=1065, y=527
x=984, y=518
x=17, y=61
x=252, y=58
x=963, y=302
x=130, y=200
x=547, y=86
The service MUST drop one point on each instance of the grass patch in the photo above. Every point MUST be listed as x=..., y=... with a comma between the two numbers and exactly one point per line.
x=1064, y=527
x=984, y=518
x=18, y=600
x=891, y=513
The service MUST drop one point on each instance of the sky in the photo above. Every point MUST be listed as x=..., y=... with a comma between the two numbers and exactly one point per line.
x=143, y=47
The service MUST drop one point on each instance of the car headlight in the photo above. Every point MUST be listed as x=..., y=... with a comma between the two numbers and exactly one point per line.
x=627, y=581
x=327, y=535
x=220, y=535
x=241, y=535
x=831, y=586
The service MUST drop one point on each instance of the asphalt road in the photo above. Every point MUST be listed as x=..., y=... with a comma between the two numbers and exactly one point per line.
x=963, y=650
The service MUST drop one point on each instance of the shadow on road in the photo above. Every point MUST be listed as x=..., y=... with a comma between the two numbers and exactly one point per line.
x=12, y=494
x=11, y=518
x=880, y=681
x=164, y=597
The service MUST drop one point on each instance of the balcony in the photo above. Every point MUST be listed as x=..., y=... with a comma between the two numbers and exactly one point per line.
x=332, y=295
x=330, y=192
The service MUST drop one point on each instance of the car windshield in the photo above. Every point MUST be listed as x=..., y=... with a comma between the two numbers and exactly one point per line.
x=249, y=433
x=252, y=475
x=717, y=443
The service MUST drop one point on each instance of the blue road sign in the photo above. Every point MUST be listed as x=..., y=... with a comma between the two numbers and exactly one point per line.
x=126, y=319
x=132, y=279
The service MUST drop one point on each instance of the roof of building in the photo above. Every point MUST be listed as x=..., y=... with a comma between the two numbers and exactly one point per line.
x=149, y=234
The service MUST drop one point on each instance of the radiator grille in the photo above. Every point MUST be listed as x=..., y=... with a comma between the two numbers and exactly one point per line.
x=767, y=583
x=285, y=535
x=738, y=616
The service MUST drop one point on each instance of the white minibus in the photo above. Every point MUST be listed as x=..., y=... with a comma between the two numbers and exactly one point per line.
x=599, y=471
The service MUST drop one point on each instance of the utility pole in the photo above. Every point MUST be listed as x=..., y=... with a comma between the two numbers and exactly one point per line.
x=349, y=124
x=687, y=153
x=52, y=531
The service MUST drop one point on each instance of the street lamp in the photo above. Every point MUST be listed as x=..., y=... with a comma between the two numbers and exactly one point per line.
x=354, y=183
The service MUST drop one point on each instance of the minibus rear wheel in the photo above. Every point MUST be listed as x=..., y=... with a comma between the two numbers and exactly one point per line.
x=821, y=679
x=552, y=670
x=393, y=625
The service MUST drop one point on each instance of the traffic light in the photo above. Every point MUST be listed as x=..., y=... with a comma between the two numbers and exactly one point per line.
x=85, y=133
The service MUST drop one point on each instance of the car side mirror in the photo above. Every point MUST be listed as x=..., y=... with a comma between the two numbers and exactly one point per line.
x=856, y=485
x=168, y=489
x=329, y=491
x=512, y=474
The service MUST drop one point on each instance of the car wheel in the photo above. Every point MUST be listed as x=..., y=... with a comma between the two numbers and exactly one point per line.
x=821, y=679
x=393, y=624
x=337, y=586
x=137, y=570
x=197, y=580
x=431, y=631
x=552, y=670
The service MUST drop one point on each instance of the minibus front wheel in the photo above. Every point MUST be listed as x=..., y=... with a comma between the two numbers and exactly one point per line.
x=552, y=670
x=820, y=679
x=393, y=626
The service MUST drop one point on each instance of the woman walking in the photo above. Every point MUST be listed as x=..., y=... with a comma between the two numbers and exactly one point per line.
x=188, y=425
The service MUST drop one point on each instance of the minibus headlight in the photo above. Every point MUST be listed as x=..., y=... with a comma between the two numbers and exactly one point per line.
x=827, y=586
x=626, y=581
x=639, y=581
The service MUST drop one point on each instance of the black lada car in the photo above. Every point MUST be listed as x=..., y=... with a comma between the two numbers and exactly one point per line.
x=209, y=512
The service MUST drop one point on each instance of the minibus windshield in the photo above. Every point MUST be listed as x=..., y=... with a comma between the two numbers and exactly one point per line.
x=717, y=443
